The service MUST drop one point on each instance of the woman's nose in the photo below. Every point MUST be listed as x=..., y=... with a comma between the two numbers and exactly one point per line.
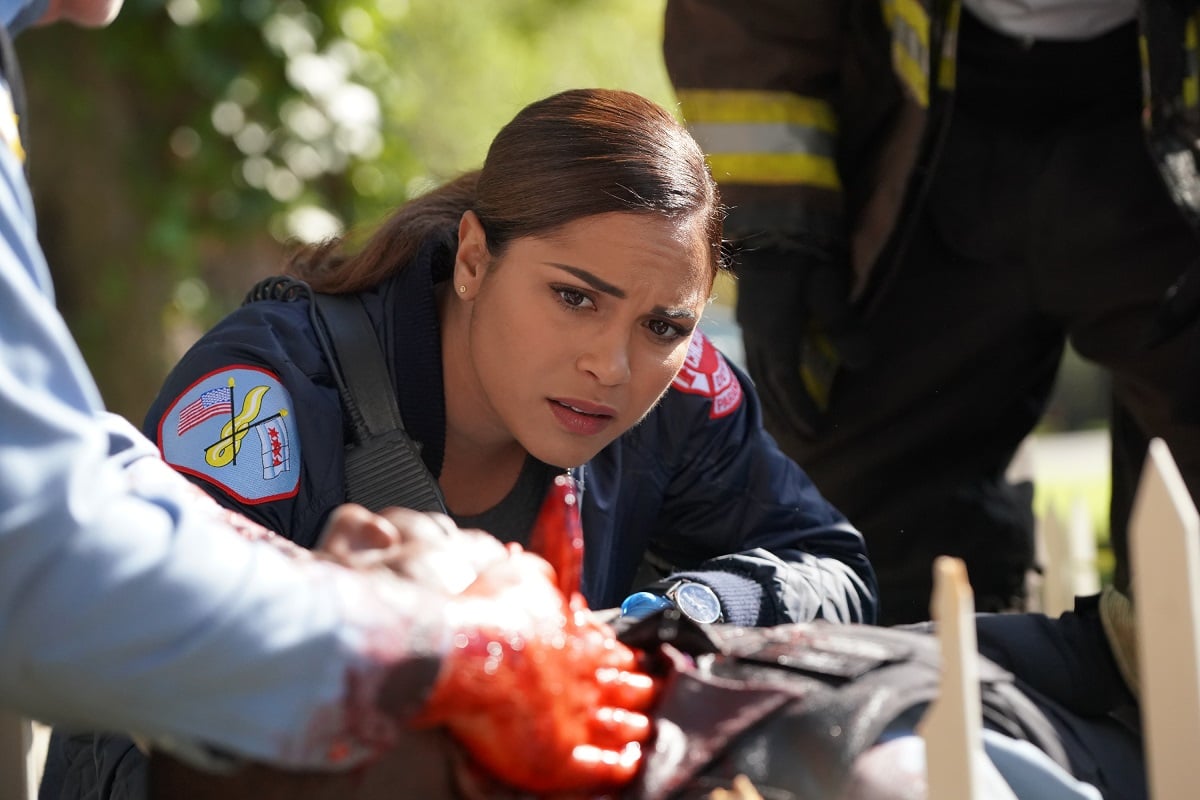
x=606, y=357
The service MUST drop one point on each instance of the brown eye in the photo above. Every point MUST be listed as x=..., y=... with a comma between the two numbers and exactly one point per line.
x=666, y=330
x=572, y=298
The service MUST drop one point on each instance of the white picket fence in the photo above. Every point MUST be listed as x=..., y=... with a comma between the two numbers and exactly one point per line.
x=1165, y=546
x=22, y=753
x=1164, y=541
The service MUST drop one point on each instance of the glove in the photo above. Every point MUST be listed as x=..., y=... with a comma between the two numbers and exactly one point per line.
x=793, y=305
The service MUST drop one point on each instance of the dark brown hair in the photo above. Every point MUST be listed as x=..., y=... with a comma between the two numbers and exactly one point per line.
x=572, y=155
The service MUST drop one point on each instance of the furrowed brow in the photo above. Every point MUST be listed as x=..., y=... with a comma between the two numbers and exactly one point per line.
x=674, y=313
x=601, y=285
x=597, y=283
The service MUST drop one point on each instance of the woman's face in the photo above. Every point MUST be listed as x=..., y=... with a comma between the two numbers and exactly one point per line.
x=574, y=336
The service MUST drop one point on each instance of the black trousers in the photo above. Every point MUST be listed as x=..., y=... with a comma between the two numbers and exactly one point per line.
x=1045, y=220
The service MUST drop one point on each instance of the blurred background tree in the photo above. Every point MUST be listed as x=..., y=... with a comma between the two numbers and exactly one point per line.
x=175, y=155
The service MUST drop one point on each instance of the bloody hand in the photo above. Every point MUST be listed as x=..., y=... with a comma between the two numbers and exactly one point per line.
x=537, y=690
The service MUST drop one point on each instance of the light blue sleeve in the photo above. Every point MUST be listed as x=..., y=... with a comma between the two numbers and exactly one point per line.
x=128, y=602
x=1006, y=768
x=1031, y=773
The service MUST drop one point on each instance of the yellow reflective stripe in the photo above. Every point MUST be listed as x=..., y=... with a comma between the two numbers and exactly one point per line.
x=1191, y=80
x=737, y=106
x=913, y=16
x=947, y=66
x=910, y=45
x=817, y=392
x=818, y=366
x=775, y=169
x=805, y=123
x=912, y=73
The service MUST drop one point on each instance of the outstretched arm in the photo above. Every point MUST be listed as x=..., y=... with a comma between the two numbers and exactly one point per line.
x=127, y=605
x=739, y=515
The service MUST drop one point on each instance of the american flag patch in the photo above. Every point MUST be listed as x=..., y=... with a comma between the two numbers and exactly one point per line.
x=208, y=405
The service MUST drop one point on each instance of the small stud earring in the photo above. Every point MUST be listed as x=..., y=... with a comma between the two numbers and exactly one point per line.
x=462, y=288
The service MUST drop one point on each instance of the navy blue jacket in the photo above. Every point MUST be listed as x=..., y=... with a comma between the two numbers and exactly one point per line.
x=698, y=485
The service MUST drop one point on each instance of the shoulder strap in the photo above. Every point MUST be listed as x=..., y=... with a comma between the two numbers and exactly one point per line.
x=369, y=399
x=383, y=463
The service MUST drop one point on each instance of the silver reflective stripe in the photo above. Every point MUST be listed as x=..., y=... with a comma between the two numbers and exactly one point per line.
x=763, y=138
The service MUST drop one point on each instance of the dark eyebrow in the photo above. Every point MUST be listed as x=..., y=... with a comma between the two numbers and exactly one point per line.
x=601, y=285
x=596, y=283
x=674, y=313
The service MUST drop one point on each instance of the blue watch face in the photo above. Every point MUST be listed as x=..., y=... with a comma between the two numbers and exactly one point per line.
x=697, y=602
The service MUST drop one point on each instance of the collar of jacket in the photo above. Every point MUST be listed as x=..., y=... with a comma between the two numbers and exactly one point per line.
x=404, y=309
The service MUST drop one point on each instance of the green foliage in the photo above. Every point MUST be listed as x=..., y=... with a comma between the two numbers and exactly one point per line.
x=175, y=153
x=301, y=118
x=460, y=70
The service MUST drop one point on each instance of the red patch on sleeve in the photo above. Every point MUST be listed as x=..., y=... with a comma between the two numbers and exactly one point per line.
x=706, y=372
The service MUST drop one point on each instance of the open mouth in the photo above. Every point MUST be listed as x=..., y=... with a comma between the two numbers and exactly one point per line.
x=578, y=410
x=586, y=421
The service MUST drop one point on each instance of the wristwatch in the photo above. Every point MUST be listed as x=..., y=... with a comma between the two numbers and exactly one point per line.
x=696, y=601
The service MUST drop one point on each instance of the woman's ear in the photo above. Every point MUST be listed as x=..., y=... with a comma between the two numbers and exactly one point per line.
x=471, y=261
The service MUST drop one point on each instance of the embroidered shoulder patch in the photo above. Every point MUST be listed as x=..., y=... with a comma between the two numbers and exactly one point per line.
x=235, y=429
x=706, y=372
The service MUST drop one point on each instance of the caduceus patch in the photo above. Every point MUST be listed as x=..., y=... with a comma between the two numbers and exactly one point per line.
x=235, y=429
